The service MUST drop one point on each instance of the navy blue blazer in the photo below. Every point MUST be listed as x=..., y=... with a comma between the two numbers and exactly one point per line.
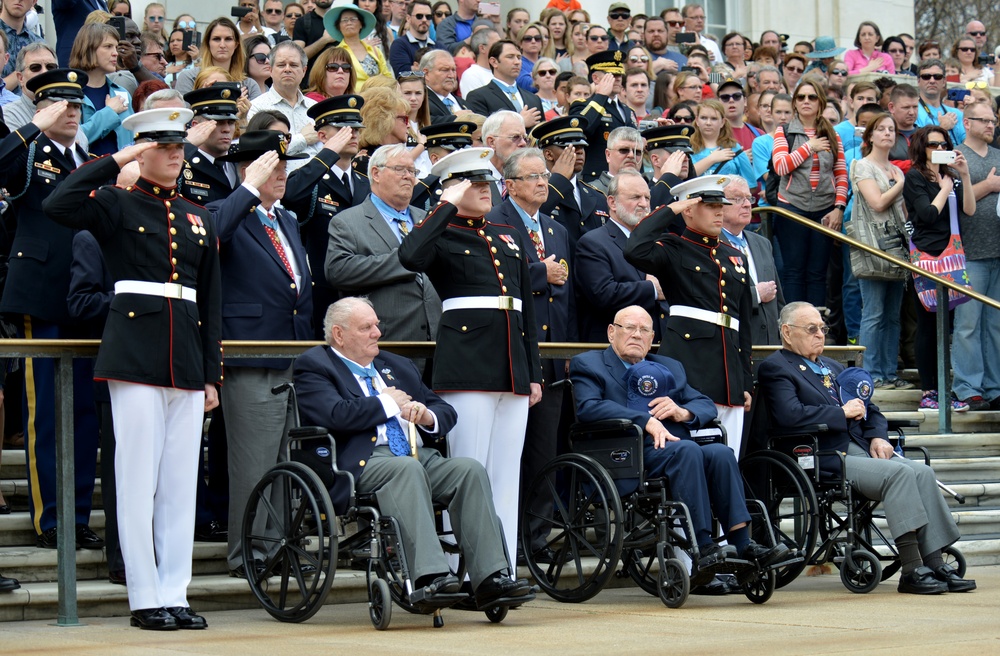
x=605, y=283
x=329, y=395
x=260, y=300
x=599, y=390
x=796, y=398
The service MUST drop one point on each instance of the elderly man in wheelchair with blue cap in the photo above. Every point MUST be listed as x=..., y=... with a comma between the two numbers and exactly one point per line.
x=625, y=381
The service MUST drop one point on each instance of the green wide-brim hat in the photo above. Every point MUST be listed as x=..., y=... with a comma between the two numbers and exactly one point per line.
x=332, y=17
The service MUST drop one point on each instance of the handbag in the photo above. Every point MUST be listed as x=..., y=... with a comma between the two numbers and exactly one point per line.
x=879, y=233
x=950, y=264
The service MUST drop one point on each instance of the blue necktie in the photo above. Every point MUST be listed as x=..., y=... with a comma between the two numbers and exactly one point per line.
x=511, y=91
x=448, y=102
x=398, y=444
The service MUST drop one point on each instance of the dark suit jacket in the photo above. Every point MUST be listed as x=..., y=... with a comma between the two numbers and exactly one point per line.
x=599, y=389
x=489, y=99
x=202, y=181
x=605, y=283
x=329, y=395
x=439, y=111
x=764, y=320
x=260, y=300
x=796, y=398
x=362, y=259
x=561, y=206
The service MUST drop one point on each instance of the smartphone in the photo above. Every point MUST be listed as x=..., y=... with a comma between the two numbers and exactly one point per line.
x=987, y=60
x=859, y=131
x=648, y=125
x=240, y=12
x=691, y=69
x=686, y=37
x=191, y=38
x=118, y=22
x=958, y=95
x=489, y=8
x=943, y=157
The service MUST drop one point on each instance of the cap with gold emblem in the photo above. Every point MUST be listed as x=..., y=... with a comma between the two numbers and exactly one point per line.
x=609, y=61
x=471, y=164
x=217, y=101
x=671, y=137
x=338, y=111
x=453, y=136
x=58, y=84
x=254, y=144
x=165, y=125
x=561, y=131
x=709, y=188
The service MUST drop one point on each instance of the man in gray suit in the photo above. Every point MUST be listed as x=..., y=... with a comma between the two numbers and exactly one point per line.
x=362, y=255
x=767, y=297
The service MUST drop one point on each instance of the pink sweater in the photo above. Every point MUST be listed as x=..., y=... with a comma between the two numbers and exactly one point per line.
x=856, y=60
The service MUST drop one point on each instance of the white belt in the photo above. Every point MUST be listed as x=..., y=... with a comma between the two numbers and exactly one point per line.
x=164, y=289
x=482, y=303
x=717, y=318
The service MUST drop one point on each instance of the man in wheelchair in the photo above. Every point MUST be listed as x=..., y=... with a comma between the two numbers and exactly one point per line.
x=705, y=478
x=801, y=389
x=367, y=400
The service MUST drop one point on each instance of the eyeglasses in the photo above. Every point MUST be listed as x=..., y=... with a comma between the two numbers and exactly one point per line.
x=442, y=14
x=158, y=55
x=896, y=51
x=632, y=328
x=274, y=12
x=422, y=16
x=839, y=72
x=259, y=57
x=37, y=68
x=966, y=49
x=594, y=37
x=405, y=75
x=186, y=25
x=937, y=145
x=795, y=69
x=293, y=16
x=531, y=37
x=515, y=137
x=547, y=72
x=740, y=200
x=931, y=76
x=350, y=19
x=812, y=328
x=679, y=23
x=976, y=33
x=404, y=118
x=731, y=97
x=154, y=19
x=811, y=97
x=402, y=170
x=987, y=121
x=333, y=67
x=629, y=151
x=638, y=58
x=533, y=177
x=619, y=16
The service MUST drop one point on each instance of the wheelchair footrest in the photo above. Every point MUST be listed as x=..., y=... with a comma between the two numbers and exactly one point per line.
x=429, y=603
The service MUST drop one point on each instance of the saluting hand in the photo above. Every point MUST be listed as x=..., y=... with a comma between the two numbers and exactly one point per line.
x=454, y=193
x=260, y=169
x=565, y=164
x=46, y=117
x=680, y=205
x=200, y=132
x=129, y=153
x=340, y=138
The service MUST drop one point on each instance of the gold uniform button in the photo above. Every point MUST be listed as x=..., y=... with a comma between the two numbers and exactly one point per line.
x=141, y=229
x=504, y=288
x=466, y=252
x=374, y=438
x=722, y=283
x=199, y=323
x=544, y=327
x=663, y=316
x=465, y=329
x=20, y=254
x=725, y=308
x=292, y=285
x=175, y=276
x=697, y=268
x=717, y=262
x=173, y=230
x=294, y=312
x=496, y=262
x=488, y=238
x=723, y=269
x=167, y=203
x=551, y=300
x=482, y=232
x=687, y=336
x=173, y=260
x=723, y=294
x=743, y=279
x=362, y=463
x=501, y=276
x=493, y=249
x=173, y=245
x=171, y=216
x=713, y=251
x=131, y=315
x=201, y=242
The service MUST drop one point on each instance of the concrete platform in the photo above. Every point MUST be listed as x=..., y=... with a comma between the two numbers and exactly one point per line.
x=811, y=616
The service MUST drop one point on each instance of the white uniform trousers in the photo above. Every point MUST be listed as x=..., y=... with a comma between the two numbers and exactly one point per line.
x=157, y=433
x=490, y=429
x=731, y=417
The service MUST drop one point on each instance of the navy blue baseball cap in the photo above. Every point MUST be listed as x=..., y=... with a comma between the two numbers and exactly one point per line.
x=646, y=381
x=855, y=383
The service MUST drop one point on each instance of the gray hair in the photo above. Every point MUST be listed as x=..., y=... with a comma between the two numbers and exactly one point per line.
x=768, y=69
x=339, y=313
x=27, y=50
x=624, y=134
x=428, y=61
x=512, y=167
x=494, y=122
x=545, y=60
x=479, y=39
x=162, y=95
x=616, y=181
x=737, y=179
x=288, y=45
x=790, y=310
x=383, y=154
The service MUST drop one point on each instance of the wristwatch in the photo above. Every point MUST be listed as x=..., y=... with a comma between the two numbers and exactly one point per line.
x=840, y=206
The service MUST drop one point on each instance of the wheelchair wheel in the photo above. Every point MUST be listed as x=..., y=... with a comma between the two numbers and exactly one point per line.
x=584, y=528
x=379, y=604
x=497, y=614
x=643, y=566
x=673, y=584
x=955, y=559
x=861, y=571
x=761, y=588
x=289, y=520
x=787, y=493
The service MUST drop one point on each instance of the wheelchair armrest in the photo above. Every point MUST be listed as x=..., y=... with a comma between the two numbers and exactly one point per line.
x=809, y=429
x=582, y=431
x=897, y=424
x=306, y=432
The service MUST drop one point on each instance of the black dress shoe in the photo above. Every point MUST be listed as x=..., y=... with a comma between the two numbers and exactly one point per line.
x=955, y=582
x=715, y=553
x=47, y=539
x=117, y=577
x=921, y=581
x=211, y=532
x=714, y=588
x=186, y=618
x=425, y=592
x=764, y=556
x=499, y=587
x=87, y=539
x=240, y=572
x=153, y=619
x=8, y=584
x=5, y=509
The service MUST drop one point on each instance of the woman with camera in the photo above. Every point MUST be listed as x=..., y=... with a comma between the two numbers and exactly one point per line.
x=932, y=191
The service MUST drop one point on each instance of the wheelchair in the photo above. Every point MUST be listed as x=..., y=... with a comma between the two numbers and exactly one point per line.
x=598, y=509
x=291, y=520
x=825, y=518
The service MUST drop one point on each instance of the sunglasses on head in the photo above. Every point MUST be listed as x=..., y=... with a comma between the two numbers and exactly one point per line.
x=335, y=66
x=408, y=75
x=811, y=97
x=36, y=67
x=259, y=57
x=734, y=97
x=931, y=76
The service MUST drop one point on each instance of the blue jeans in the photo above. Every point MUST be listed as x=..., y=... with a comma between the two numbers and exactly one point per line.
x=851, y=297
x=975, y=351
x=880, y=326
x=805, y=253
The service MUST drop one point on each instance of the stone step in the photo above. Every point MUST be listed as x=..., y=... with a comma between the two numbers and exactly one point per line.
x=12, y=463
x=974, y=524
x=957, y=445
x=960, y=470
x=16, y=493
x=16, y=529
x=961, y=422
x=977, y=495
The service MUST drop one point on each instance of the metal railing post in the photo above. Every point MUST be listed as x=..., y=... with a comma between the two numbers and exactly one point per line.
x=943, y=361
x=65, y=492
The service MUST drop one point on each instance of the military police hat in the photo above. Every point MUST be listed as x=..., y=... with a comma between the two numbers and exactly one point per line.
x=338, y=111
x=561, y=131
x=58, y=84
x=164, y=125
x=217, y=101
x=709, y=188
x=609, y=61
x=471, y=164
x=453, y=136
x=671, y=137
x=254, y=144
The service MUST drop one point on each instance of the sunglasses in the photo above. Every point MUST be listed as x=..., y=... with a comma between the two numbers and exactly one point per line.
x=293, y=15
x=36, y=68
x=898, y=51
x=532, y=37
x=421, y=16
x=404, y=118
x=811, y=97
x=931, y=76
x=274, y=12
x=679, y=23
x=154, y=19
x=638, y=58
x=186, y=25
x=333, y=67
x=937, y=145
x=410, y=75
x=683, y=119
x=976, y=85
x=731, y=97
x=603, y=37
x=548, y=71
x=259, y=57
x=966, y=49
x=629, y=151
x=442, y=14
x=841, y=72
x=977, y=33
x=619, y=16
x=794, y=69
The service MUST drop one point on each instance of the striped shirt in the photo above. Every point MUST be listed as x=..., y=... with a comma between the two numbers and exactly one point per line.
x=785, y=162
